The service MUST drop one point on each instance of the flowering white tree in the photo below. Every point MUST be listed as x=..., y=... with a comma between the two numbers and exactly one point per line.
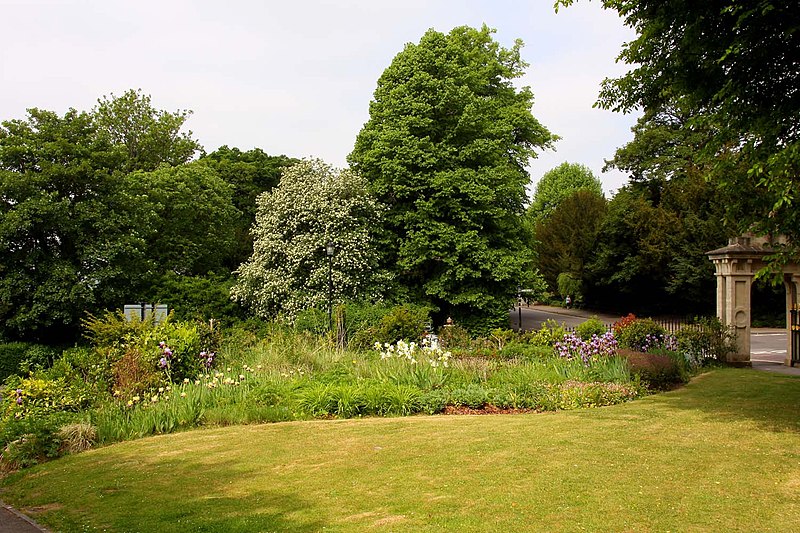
x=313, y=205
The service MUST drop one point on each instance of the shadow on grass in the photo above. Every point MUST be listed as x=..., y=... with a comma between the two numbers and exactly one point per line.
x=122, y=494
x=772, y=401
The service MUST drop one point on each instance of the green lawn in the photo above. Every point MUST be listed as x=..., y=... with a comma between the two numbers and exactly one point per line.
x=721, y=454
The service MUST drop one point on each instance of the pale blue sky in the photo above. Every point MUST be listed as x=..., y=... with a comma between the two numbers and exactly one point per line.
x=296, y=77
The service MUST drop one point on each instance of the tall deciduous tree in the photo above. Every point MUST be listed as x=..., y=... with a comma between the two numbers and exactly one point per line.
x=565, y=240
x=148, y=137
x=558, y=184
x=445, y=149
x=250, y=173
x=191, y=223
x=734, y=64
x=313, y=205
x=70, y=238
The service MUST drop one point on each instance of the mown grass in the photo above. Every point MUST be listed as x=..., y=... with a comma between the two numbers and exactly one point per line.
x=720, y=454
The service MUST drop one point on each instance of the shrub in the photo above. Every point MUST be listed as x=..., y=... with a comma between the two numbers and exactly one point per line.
x=20, y=357
x=404, y=322
x=433, y=401
x=656, y=371
x=472, y=396
x=27, y=441
x=548, y=334
x=641, y=335
x=454, y=336
x=707, y=341
x=592, y=327
x=622, y=324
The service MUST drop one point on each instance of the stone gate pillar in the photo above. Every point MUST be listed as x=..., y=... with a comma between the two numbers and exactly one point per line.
x=736, y=266
x=792, y=283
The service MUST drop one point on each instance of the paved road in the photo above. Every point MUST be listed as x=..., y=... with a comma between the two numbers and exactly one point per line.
x=534, y=316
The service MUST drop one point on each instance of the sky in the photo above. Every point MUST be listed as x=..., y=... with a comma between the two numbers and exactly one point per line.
x=296, y=77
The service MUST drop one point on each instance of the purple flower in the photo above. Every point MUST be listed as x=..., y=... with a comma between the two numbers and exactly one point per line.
x=19, y=400
x=167, y=352
x=163, y=362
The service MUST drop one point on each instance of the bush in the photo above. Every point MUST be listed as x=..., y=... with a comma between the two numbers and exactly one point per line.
x=593, y=326
x=623, y=323
x=658, y=371
x=20, y=357
x=404, y=322
x=549, y=334
x=453, y=336
x=472, y=396
x=705, y=342
x=28, y=441
x=641, y=334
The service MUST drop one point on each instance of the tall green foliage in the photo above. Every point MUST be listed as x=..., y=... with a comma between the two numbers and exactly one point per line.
x=249, y=173
x=445, y=150
x=566, y=239
x=147, y=137
x=734, y=65
x=559, y=183
x=68, y=230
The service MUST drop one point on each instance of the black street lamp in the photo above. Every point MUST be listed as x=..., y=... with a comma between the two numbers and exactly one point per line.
x=329, y=251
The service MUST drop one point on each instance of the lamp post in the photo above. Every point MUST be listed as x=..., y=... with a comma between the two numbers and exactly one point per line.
x=519, y=308
x=329, y=252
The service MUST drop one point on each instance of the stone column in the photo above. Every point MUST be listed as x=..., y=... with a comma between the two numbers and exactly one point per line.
x=792, y=284
x=736, y=309
x=736, y=265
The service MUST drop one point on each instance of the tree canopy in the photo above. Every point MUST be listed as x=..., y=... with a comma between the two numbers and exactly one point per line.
x=559, y=183
x=147, y=136
x=734, y=65
x=445, y=149
x=69, y=238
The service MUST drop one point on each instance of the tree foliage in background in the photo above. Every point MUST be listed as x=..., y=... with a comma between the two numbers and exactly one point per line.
x=70, y=238
x=566, y=239
x=445, y=149
x=148, y=137
x=651, y=253
x=249, y=173
x=734, y=65
x=191, y=228
x=312, y=206
x=93, y=215
x=559, y=183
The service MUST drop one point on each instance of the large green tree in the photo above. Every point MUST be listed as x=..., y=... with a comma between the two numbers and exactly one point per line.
x=250, y=173
x=70, y=238
x=565, y=240
x=558, y=184
x=650, y=253
x=445, y=149
x=148, y=137
x=734, y=64
x=191, y=218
